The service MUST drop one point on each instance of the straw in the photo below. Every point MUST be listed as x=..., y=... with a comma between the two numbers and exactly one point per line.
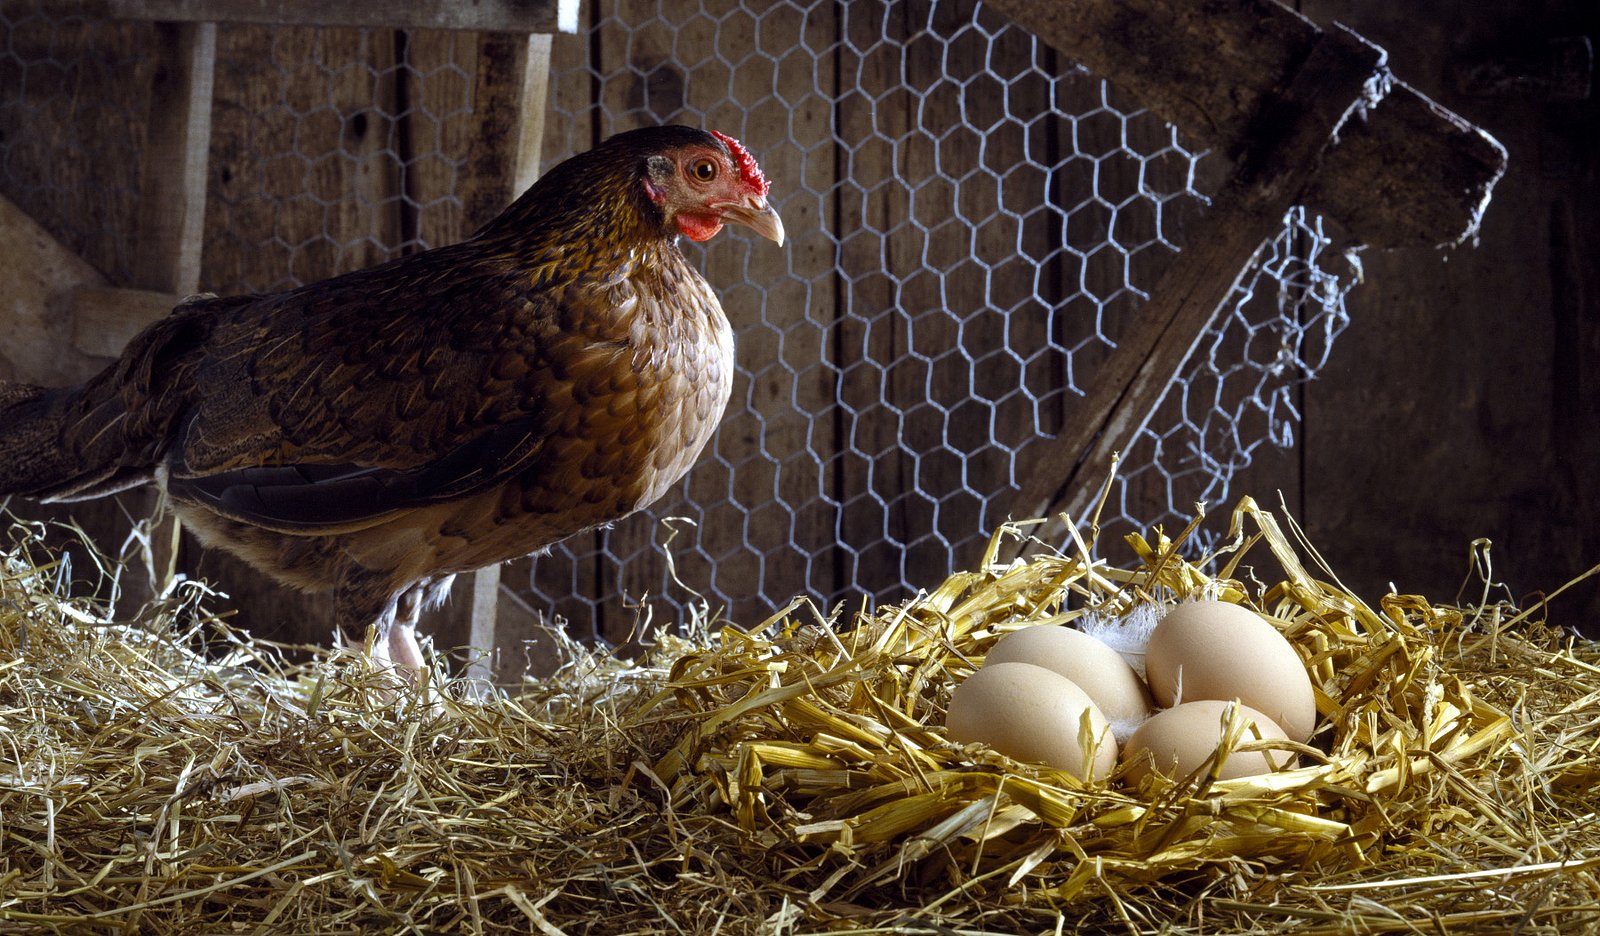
x=173, y=774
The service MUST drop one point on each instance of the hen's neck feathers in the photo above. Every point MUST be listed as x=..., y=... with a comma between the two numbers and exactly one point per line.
x=583, y=211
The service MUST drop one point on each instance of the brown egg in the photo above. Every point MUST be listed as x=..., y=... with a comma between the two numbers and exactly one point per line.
x=1217, y=650
x=1032, y=714
x=1096, y=668
x=1176, y=741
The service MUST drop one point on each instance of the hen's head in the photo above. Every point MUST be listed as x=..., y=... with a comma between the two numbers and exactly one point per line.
x=700, y=181
x=655, y=182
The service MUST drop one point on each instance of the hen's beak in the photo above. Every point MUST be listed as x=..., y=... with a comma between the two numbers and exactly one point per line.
x=755, y=214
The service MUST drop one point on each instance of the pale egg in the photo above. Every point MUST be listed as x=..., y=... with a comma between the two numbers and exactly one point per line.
x=1176, y=741
x=1217, y=650
x=1032, y=714
x=1096, y=668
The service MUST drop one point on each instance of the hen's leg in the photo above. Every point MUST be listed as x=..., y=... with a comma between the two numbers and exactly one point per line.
x=363, y=601
x=403, y=647
x=401, y=640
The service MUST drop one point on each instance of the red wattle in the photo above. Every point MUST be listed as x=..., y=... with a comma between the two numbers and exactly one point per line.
x=698, y=227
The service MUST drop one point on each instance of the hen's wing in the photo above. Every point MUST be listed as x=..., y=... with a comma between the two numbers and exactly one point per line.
x=332, y=406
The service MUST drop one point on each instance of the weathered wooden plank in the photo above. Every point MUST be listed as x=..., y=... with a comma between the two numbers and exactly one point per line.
x=1412, y=174
x=305, y=174
x=482, y=619
x=532, y=103
x=1206, y=67
x=74, y=94
x=39, y=274
x=504, y=149
x=104, y=318
x=1210, y=67
x=172, y=192
x=361, y=179
x=1293, y=133
x=514, y=16
x=447, y=191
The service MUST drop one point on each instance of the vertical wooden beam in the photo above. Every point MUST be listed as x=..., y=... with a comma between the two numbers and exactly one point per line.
x=171, y=223
x=535, y=85
x=509, y=91
x=172, y=193
x=535, y=94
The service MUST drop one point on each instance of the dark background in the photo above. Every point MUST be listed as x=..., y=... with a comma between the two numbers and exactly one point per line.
x=1464, y=400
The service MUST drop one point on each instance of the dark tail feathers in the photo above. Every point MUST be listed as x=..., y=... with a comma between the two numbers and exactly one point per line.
x=53, y=447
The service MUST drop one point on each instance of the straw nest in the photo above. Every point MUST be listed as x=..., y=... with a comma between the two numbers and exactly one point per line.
x=175, y=776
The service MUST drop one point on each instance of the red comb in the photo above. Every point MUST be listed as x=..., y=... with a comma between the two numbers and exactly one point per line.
x=748, y=170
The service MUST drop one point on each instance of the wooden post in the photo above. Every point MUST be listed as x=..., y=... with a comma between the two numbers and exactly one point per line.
x=172, y=210
x=535, y=93
x=172, y=191
x=534, y=87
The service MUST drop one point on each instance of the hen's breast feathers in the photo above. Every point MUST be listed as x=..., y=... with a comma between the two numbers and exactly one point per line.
x=335, y=406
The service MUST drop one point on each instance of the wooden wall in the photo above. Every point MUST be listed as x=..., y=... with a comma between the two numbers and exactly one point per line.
x=1459, y=404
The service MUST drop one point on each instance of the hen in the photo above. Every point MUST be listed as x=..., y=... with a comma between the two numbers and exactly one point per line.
x=379, y=432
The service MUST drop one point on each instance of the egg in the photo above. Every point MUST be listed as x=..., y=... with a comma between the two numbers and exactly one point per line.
x=1217, y=650
x=1031, y=714
x=1096, y=669
x=1176, y=741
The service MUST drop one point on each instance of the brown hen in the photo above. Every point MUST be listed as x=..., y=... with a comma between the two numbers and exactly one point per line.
x=379, y=432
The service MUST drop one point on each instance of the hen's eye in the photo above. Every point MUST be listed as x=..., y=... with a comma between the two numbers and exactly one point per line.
x=704, y=170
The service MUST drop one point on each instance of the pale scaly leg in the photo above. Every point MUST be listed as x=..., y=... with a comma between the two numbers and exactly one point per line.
x=400, y=643
x=403, y=648
x=364, y=603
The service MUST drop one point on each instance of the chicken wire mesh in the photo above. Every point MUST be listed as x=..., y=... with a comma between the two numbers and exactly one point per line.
x=973, y=221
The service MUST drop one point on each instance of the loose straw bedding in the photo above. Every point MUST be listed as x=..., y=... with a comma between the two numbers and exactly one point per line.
x=174, y=775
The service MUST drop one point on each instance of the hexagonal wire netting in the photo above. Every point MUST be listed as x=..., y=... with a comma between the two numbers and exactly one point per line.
x=972, y=222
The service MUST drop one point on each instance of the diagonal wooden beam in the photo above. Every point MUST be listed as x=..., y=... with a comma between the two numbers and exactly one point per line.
x=1409, y=173
x=1305, y=116
x=39, y=272
x=1340, y=78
